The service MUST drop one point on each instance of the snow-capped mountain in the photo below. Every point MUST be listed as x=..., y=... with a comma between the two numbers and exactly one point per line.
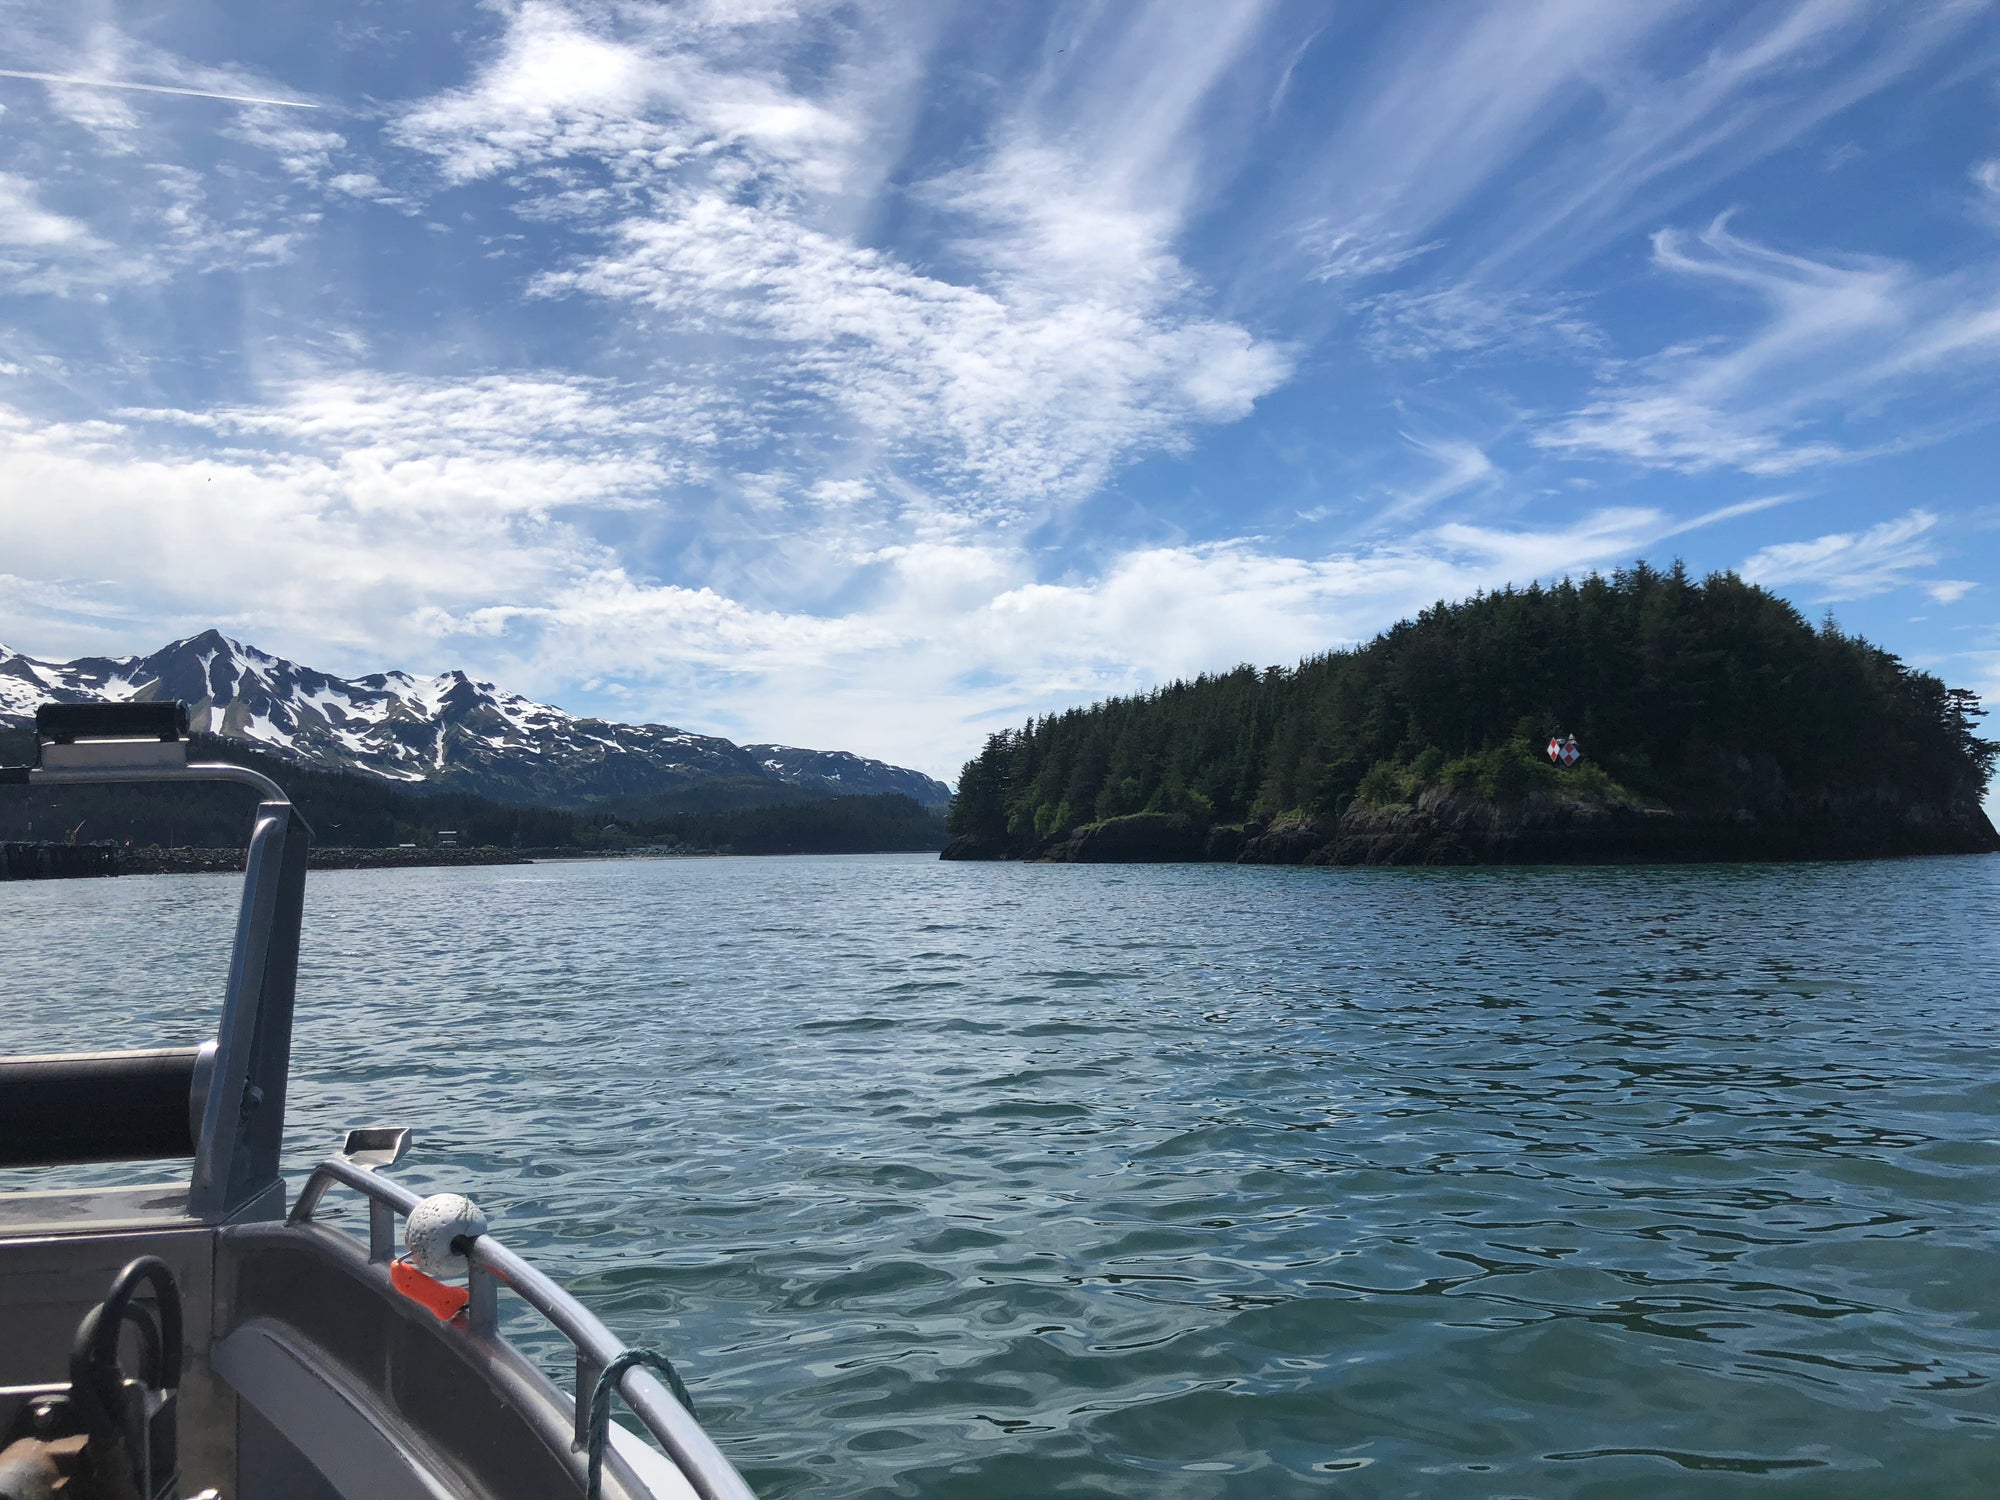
x=441, y=733
x=845, y=774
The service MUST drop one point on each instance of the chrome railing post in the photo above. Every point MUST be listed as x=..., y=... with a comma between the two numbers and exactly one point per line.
x=381, y=1232
x=483, y=1312
x=587, y=1371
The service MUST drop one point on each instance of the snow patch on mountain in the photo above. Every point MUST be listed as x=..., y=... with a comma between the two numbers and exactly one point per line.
x=845, y=774
x=446, y=732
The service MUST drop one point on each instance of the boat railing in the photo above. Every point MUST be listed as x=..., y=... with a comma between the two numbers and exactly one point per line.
x=494, y=1266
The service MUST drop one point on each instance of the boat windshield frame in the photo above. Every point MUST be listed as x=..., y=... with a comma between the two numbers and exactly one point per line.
x=242, y=1074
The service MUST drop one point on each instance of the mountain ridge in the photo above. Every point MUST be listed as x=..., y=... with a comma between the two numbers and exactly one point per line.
x=433, y=733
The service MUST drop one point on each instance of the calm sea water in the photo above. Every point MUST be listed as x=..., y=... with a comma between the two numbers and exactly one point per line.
x=988, y=1181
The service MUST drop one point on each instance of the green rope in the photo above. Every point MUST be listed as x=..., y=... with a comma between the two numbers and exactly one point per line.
x=600, y=1403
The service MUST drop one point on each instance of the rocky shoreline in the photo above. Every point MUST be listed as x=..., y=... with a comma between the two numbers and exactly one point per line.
x=1445, y=827
x=63, y=861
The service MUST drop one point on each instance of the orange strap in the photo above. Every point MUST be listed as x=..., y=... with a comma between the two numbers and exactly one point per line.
x=442, y=1302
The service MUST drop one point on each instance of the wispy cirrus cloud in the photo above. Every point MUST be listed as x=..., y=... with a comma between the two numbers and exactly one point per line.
x=1855, y=564
x=46, y=252
x=1623, y=113
x=143, y=210
x=1021, y=402
x=1462, y=466
x=1667, y=132
x=1067, y=338
x=856, y=373
x=1456, y=97
x=1833, y=336
x=1463, y=322
x=638, y=94
x=1356, y=252
x=475, y=516
x=24, y=222
x=90, y=67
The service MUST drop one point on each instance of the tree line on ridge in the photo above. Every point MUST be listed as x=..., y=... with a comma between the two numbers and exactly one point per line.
x=1662, y=678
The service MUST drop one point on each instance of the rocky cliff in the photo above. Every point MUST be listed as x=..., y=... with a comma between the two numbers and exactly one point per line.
x=1454, y=828
x=1441, y=826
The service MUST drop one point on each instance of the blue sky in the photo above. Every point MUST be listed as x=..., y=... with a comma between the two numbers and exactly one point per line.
x=870, y=376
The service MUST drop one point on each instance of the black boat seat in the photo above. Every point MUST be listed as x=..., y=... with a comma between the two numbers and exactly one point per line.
x=79, y=1107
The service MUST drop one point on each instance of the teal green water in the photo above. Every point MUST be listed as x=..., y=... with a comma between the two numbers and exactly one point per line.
x=990, y=1181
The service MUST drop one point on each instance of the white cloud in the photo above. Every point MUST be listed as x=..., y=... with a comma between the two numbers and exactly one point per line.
x=1731, y=512
x=1358, y=251
x=1059, y=337
x=425, y=524
x=361, y=185
x=143, y=217
x=1949, y=590
x=641, y=102
x=98, y=76
x=1517, y=554
x=1512, y=142
x=45, y=252
x=1832, y=336
x=1462, y=320
x=958, y=639
x=1462, y=466
x=304, y=149
x=873, y=321
x=1773, y=75
x=1025, y=397
x=1667, y=428
x=340, y=512
x=24, y=222
x=1853, y=565
x=1461, y=97
x=165, y=167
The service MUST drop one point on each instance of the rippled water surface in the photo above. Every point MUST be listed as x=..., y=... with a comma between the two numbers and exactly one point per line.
x=989, y=1181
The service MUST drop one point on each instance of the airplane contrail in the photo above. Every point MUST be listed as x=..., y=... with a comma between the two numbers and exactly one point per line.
x=151, y=88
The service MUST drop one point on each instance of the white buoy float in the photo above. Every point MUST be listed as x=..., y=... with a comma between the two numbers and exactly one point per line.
x=434, y=1229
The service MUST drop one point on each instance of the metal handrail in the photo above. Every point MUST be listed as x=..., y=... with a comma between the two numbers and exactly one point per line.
x=595, y=1346
x=195, y=770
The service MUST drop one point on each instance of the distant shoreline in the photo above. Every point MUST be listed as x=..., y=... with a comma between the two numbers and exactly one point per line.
x=87, y=861
x=83, y=861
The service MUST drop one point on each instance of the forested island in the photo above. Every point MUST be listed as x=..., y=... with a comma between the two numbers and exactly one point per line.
x=1715, y=722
